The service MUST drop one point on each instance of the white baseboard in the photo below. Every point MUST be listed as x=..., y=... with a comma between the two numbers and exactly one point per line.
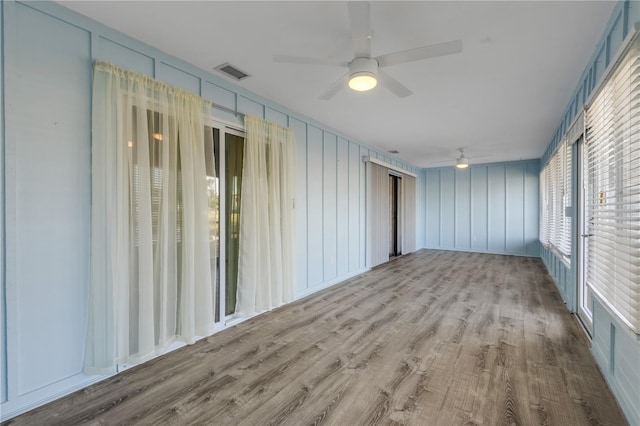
x=38, y=397
x=326, y=284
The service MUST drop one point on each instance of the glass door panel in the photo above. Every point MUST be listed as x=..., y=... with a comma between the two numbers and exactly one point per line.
x=234, y=156
x=584, y=296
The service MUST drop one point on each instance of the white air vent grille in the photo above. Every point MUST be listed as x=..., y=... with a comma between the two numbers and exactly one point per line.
x=232, y=71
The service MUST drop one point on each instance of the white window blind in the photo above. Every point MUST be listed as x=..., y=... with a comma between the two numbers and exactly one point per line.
x=612, y=176
x=564, y=176
x=544, y=216
x=555, y=187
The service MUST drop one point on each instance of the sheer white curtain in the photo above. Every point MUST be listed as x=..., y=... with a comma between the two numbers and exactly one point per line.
x=266, y=262
x=151, y=275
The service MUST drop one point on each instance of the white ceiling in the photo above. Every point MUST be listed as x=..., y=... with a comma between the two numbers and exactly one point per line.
x=501, y=98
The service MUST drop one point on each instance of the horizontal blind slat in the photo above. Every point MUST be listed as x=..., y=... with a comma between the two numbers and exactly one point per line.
x=612, y=183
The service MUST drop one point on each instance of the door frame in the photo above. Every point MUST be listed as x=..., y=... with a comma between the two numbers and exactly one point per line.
x=395, y=186
x=224, y=128
x=583, y=311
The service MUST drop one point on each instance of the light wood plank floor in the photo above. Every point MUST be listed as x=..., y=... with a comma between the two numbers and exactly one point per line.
x=432, y=338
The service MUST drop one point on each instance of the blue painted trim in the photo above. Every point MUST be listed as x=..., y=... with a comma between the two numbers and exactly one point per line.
x=495, y=235
x=306, y=199
x=3, y=224
x=612, y=349
x=621, y=11
x=497, y=163
x=155, y=62
x=605, y=349
x=70, y=17
x=614, y=346
x=560, y=273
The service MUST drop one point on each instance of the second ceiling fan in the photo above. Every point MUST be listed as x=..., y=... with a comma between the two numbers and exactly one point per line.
x=364, y=72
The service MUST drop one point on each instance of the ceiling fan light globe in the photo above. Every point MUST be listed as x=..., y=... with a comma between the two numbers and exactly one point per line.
x=362, y=81
x=462, y=163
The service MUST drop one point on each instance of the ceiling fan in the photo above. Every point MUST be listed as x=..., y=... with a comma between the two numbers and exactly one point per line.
x=462, y=161
x=365, y=72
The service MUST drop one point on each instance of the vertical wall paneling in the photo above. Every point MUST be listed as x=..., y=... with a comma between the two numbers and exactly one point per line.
x=483, y=208
x=46, y=167
x=342, y=207
x=315, y=265
x=496, y=212
x=110, y=51
x=617, y=351
x=277, y=117
x=479, y=211
x=176, y=77
x=3, y=357
x=329, y=201
x=447, y=207
x=300, y=130
x=248, y=106
x=363, y=153
x=52, y=210
x=224, y=97
x=354, y=206
x=462, y=209
x=432, y=207
x=632, y=14
x=622, y=349
x=600, y=64
x=514, y=223
x=421, y=220
x=9, y=333
x=615, y=38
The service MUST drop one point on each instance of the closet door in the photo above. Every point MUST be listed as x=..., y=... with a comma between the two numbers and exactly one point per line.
x=377, y=214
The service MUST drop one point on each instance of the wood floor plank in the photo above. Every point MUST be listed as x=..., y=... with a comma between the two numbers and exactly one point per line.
x=432, y=338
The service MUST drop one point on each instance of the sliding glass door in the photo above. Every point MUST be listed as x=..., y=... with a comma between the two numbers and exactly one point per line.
x=224, y=178
x=395, y=214
x=234, y=156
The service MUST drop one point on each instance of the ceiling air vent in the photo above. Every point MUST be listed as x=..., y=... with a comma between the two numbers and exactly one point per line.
x=232, y=71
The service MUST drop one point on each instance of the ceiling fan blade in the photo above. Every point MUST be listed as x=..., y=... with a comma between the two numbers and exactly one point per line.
x=287, y=59
x=334, y=88
x=393, y=85
x=419, y=53
x=448, y=162
x=360, y=18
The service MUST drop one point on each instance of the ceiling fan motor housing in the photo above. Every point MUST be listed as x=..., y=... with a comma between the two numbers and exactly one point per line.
x=363, y=66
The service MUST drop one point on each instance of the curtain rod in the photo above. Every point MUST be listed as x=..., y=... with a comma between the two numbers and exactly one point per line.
x=388, y=165
x=227, y=109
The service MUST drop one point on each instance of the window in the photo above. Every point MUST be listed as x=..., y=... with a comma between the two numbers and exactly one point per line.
x=555, y=188
x=234, y=158
x=155, y=215
x=612, y=176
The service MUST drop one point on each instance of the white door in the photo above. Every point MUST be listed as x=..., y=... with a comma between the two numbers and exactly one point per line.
x=585, y=297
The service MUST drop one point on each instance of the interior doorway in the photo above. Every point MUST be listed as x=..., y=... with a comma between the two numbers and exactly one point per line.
x=395, y=234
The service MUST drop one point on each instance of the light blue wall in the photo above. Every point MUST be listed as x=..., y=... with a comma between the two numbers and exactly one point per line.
x=617, y=352
x=490, y=208
x=623, y=351
x=47, y=68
